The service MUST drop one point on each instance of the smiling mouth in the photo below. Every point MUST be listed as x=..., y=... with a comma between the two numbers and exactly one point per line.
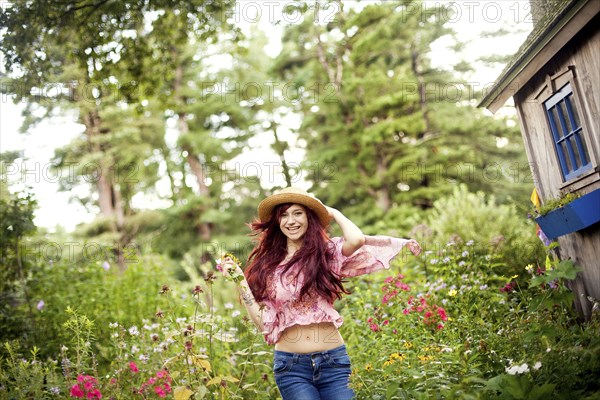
x=294, y=229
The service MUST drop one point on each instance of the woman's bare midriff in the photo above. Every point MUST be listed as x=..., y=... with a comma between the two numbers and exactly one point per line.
x=309, y=338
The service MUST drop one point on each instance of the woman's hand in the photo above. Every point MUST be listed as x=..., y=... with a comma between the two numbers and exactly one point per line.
x=353, y=236
x=414, y=247
x=230, y=267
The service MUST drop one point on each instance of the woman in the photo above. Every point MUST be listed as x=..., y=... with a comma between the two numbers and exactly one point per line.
x=294, y=275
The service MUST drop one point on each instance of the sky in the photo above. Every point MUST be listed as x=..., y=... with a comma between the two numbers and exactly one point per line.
x=468, y=18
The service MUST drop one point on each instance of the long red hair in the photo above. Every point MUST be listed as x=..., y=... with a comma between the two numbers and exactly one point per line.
x=314, y=256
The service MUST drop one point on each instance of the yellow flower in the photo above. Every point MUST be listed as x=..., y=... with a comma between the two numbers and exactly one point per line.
x=452, y=293
x=388, y=362
x=529, y=268
x=408, y=345
x=514, y=277
x=397, y=356
x=368, y=367
x=425, y=358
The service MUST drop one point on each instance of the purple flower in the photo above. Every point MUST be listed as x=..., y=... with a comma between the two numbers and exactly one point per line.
x=106, y=265
x=40, y=305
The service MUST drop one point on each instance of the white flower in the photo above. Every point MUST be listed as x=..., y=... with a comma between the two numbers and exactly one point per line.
x=144, y=357
x=134, y=331
x=228, y=306
x=113, y=325
x=537, y=365
x=434, y=261
x=181, y=320
x=134, y=349
x=517, y=369
x=235, y=313
x=465, y=253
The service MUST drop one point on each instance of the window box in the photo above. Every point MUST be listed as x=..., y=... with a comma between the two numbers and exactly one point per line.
x=572, y=217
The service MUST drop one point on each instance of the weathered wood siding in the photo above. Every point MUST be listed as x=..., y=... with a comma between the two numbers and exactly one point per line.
x=578, y=62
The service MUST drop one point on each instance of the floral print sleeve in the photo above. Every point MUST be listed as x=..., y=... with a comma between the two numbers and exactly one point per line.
x=374, y=255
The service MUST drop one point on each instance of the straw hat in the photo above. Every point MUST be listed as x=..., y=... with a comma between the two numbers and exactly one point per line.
x=296, y=196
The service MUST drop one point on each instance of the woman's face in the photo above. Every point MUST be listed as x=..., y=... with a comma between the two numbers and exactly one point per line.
x=294, y=222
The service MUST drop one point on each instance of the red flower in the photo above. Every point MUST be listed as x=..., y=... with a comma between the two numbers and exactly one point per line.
x=76, y=391
x=442, y=314
x=133, y=367
x=159, y=391
x=94, y=394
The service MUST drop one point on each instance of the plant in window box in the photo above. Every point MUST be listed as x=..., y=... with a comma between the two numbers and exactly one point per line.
x=569, y=213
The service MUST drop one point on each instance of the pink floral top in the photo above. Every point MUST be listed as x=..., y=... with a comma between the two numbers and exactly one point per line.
x=286, y=310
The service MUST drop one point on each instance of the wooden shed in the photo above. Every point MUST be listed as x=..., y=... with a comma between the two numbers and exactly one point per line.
x=554, y=80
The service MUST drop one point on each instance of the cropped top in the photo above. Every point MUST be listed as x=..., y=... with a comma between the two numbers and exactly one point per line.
x=283, y=309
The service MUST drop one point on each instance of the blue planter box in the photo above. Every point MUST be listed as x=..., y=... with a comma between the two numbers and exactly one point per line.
x=573, y=217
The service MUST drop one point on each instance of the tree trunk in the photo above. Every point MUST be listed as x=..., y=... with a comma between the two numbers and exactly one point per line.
x=421, y=84
x=92, y=122
x=204, y=229
x=280, y=148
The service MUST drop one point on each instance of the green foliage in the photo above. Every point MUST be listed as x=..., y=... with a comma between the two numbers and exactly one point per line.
x=558, y=202
x=499, y=341
x=16, y=224
x=475, y=216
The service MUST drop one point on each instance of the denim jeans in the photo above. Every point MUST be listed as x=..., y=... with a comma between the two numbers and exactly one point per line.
x=323, y=375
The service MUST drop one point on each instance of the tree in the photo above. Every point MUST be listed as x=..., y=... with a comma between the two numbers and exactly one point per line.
x=397, y=130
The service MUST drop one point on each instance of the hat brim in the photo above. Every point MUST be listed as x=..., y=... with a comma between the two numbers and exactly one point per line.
x=265, y=208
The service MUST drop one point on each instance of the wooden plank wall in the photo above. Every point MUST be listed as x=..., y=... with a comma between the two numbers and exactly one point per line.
x=580, y=59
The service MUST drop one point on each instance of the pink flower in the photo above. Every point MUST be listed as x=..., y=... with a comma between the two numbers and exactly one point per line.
x=133, y=367
x=161, y=374
x=88, y=386
x=81, y=378
x=440, y=326
x=159, y=391
x=386, y=322
x=442, y=314
x=94, y=394
x=167, y=387
x=406, y=311
x=76, y=391
x=374, y=327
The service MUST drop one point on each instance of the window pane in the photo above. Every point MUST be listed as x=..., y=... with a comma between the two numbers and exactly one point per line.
x=582, y=147
x=565, y=153
x=569, y=99
x=562, y=109
x=578, y=162
x=556, y=121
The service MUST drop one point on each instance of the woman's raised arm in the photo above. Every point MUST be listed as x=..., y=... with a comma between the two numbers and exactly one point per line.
x=354, y=239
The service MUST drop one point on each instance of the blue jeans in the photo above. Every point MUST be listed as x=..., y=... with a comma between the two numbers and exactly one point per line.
x=323, y=375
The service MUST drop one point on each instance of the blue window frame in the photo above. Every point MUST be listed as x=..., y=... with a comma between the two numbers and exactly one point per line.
x=565, y=124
